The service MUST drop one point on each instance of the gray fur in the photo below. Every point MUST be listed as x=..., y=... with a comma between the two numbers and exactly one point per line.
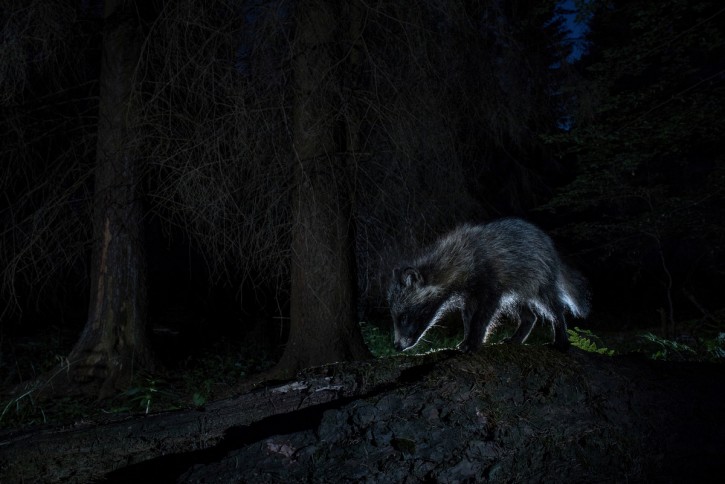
x=484, y=271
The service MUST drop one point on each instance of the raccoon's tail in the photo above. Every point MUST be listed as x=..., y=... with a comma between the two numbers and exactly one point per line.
x=574, y=292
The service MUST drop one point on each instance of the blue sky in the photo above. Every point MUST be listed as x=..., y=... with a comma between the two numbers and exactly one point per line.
x=577, y=30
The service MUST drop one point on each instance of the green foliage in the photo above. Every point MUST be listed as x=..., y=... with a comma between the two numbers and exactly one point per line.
x=380, y=342
x=152, y=390
x=649, y=125
x=647, y=142
x=715, y=347
x=667, y=349
x=24, y=362
x=586, y=340
x=198, y=399
x=26, y=411
x=195, y=381
x=703, y=349
x=205, y=376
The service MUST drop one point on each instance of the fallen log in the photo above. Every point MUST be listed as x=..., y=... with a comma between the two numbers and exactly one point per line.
x=90, y=449
x=506, y=413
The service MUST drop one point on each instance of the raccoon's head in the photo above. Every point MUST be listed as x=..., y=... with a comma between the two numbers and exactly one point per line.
x=413, y=305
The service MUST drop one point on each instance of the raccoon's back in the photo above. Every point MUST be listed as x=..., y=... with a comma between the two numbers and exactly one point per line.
x=516, y=251
x=508, y=252
x=517, y=241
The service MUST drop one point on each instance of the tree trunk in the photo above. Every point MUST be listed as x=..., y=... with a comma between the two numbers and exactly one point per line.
x=113, y=344
x=323, y=325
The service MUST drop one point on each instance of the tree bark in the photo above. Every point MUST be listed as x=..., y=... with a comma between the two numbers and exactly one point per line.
x=508, y=413
x=323, y=326
x=113, y=344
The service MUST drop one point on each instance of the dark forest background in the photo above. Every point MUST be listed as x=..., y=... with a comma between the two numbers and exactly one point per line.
x=232, y=181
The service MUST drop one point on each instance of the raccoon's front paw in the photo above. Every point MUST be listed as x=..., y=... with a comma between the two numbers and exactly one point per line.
x=462, y=346
x=467, y=347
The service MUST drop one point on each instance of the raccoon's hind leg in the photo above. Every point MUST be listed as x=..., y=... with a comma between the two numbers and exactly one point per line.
x=561, y=337
x=527, y=319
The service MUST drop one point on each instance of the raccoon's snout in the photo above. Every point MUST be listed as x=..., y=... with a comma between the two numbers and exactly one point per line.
x=402, y=344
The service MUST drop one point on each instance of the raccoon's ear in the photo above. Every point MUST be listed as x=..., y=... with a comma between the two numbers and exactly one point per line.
x=411, y=276
x=396, y=274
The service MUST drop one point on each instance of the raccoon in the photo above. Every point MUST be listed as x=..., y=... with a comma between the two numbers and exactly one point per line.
x=508, y=266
